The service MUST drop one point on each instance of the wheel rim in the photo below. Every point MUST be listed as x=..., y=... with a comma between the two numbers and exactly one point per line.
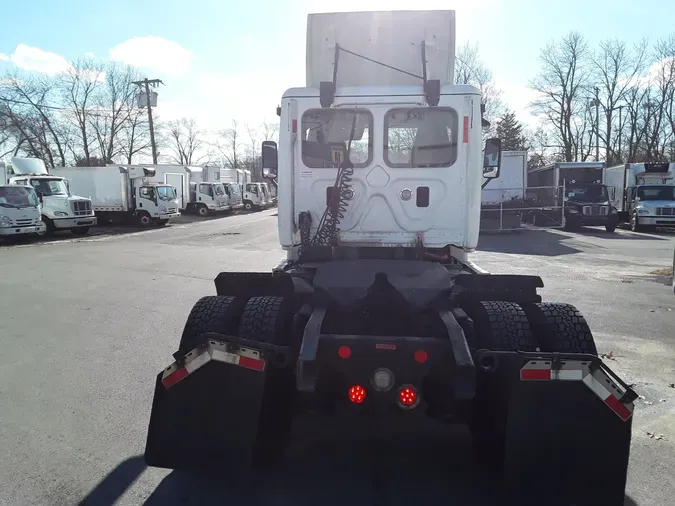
x=145, y=220
x=633, y=222
x=202, y=211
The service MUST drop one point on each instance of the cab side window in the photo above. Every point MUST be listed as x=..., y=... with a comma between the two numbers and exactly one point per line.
x=206, y=189
x=147, y=193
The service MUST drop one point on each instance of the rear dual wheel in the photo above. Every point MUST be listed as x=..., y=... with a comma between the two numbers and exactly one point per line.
x=507, y=326
x=265, y=319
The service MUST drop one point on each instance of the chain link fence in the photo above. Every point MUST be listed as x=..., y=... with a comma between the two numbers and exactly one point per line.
x=506, y=209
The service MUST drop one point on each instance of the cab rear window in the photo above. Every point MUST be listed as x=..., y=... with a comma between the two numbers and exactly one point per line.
x=326, y=134
x=420, y=137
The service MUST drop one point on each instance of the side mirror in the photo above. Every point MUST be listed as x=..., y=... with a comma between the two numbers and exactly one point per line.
x=270, y=159
x=492, y=158
x=40, y=197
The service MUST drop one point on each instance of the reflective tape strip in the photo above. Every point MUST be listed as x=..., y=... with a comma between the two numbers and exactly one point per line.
x=603, y=389
x=217, y=351
x=573, y=370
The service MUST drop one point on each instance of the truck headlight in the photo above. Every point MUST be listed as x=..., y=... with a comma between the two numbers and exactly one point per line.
x=572, y=210
x=5, y=222
x=60, y=213
x=643, y=211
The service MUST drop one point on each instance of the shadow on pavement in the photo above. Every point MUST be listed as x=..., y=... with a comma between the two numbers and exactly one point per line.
x=527, y=242
x=602, y=234
x=360, y=472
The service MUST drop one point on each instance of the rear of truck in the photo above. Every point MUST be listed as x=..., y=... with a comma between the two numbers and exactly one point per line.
x=390, y=331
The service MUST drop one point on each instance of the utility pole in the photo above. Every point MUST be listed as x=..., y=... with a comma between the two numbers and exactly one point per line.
x=148, y=103
x=597, y=124
x=620, y=131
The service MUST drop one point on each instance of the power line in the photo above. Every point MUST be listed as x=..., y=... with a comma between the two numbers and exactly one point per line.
x=89, y=112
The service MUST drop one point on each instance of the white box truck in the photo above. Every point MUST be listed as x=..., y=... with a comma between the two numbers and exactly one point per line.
x=511, y=181
x=230, y=179
x=195, y=195
x=20, y=208
x=61, y=208
x=124, y=194
x=643, y=194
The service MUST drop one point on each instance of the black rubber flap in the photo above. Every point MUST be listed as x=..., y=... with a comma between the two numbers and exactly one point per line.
x=207, y=420
x=564, y=446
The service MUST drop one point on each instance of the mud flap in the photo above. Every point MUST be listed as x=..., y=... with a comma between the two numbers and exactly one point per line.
x=567, y=442
x=207, y=417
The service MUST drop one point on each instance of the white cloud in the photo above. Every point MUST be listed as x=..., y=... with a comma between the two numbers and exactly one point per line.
x=89, y=54
x=4, y=57
x=38, y=60
x=153, y=53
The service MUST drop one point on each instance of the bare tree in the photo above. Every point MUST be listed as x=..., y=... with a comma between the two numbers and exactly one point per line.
x=134, y=138
x=617, y=68
x=470, y=69
x=560, y=84
x=184, y=141
x=79, y=85
x=230, y=146
x=115, y=101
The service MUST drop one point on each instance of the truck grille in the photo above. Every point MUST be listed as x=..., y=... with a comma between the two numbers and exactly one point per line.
x=24, y=223
x=665, y=211
x=81, y=208
x=596, y=210
x=173, y=210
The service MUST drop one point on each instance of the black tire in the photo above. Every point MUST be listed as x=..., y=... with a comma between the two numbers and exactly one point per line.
x=499, y=326
x=50, y=228
x=502, y=326
x=143, y=219
x=202, y=210
x=635, y=223
x=210, y=314
x=248, y=205
x=80, y=231
x=560, y=328
x=269, y=320
x=611, y=226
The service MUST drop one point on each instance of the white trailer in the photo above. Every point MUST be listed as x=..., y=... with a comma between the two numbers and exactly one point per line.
x=124, y=193
x=643, y=194
x=62, y=208
x=511, y=181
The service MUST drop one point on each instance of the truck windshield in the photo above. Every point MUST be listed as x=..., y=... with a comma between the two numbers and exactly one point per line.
x=234, y=188
x=49, y=187
x=18, y=196
x=656, y=193
x=420, y=137
x=218, y=188
x=326, y=133
x=587, y=193
x=166, y=192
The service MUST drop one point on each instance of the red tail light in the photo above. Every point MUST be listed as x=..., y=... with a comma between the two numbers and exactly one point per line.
x=344, y=351
x=357, y=394
x=408, y=397
x=421, y=356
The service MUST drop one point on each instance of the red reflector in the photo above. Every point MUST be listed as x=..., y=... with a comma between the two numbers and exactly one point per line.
x=252, y=363
x=344, y=352
x=466, y=129
x=357, y=394
x=421, y=356
x=175, y=377
x=616, y=406
x=407, y=396
x=294, y=124
x=535, y=374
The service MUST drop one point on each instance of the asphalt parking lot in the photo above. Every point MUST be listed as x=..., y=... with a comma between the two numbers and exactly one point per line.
x=88, y=322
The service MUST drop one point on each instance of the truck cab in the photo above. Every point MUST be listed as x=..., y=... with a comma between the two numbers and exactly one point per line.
x=20, y=211
x=60, y=210
x=234, y=194
x=587, y=204
x=256, y=196
x=208, y=197
x=154, y=202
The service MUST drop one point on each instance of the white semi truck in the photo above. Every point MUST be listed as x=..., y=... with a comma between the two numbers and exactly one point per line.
x=124, y=194
x=62, y=208
x=20, y=208
x=643, y=194
x=377, y=320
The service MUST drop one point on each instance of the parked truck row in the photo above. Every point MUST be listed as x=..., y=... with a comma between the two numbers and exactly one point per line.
x=577, y=194
x=34, y=200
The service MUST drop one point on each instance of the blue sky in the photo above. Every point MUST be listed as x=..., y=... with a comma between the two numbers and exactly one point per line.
x=230, y=60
